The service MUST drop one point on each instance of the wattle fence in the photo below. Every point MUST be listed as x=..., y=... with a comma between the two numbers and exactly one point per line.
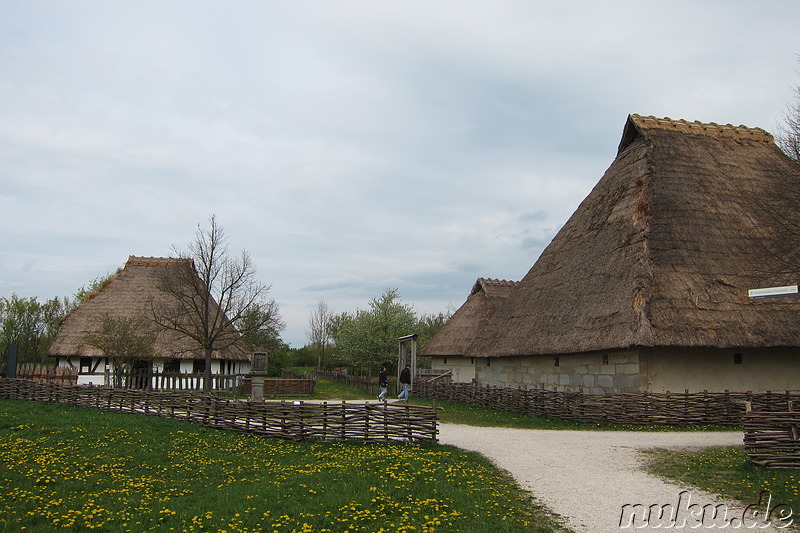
x=772, y=438
x=292, y=420
x=643, y=408
x=65, y=376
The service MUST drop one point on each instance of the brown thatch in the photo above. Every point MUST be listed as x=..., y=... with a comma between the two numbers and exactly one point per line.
x=463, y=327
x=132, y=292
x=662, y=252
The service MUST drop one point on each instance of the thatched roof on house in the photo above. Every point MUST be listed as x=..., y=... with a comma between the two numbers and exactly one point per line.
x=132, y=292
x=662, y=252
x=462, y=328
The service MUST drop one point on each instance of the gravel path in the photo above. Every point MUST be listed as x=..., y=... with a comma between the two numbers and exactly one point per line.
x=588, y=476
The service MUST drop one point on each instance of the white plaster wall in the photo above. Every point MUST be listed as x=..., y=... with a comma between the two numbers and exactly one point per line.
x=100, y=378
x=463, y=368
x=760, y=370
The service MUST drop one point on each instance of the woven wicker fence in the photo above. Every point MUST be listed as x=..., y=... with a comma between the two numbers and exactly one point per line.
x=679, y=409
x=293, y=420
x=66, y=376
x=772, y=438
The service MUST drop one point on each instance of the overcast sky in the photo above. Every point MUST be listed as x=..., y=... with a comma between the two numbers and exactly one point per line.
x=348, y=146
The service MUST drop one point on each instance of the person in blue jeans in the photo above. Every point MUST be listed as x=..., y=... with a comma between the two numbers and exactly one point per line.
x=405, y=380
x=383, y=383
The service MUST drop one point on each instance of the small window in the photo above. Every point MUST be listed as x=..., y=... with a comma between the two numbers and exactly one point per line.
x=86, y=365
x=556, y=361
x=488, y=362
x=737, y=359
x=445, y=361
x=472, y=360
x=605, y=358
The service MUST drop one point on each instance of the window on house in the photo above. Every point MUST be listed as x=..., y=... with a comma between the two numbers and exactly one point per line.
x=86, y=365
x=472, y=360
x=445, y=361
x=556, y=361
x=605, y=358
x=488, y=362
x=737, y=359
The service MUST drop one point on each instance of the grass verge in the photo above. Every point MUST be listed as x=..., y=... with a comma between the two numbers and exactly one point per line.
x=728, y=472
x=76, y=469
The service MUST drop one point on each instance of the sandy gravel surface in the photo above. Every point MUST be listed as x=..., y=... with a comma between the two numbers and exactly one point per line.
x=588, y=476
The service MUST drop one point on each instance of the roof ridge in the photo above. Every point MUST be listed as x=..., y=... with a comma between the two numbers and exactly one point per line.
x=155, y=261
x=498, y=281
x=485, y=283
x=711, y=129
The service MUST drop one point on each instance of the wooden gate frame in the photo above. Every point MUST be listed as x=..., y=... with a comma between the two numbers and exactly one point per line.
x=402, y=359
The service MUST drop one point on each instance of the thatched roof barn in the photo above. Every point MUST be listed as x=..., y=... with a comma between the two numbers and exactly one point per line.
x=132, y=292
x=646, y=285
x=662, y=252
x=461, y=329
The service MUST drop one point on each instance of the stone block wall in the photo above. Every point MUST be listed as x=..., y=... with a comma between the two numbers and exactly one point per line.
x=595, y=372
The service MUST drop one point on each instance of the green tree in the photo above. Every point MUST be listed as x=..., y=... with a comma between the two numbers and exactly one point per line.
x=430, y=324
x=123, y=340
x=30, y=325
x=304, y=357
x=261, y=327
x=280, y=357
x=52, y=312
x=91, y=288
x=368, y=338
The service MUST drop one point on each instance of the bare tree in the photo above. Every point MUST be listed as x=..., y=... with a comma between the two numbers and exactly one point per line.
x=781, y=205
x=266, y=328
x=788, y=137
x=217, y=299
x=319, y=329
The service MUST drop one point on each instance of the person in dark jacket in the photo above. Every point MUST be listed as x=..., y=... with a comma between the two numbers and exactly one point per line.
x=383, y=383
x=405, y=380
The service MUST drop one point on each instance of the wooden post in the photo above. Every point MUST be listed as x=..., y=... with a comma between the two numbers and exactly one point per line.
x=793, y=427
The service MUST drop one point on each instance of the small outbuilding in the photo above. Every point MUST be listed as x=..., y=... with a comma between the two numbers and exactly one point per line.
x=448, y=348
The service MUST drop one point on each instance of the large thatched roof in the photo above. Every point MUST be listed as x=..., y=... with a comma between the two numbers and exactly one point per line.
x=463, y=327
x=132, y=292
x=662, y=252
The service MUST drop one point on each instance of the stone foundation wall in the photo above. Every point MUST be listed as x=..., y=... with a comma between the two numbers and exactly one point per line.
x=591, y=372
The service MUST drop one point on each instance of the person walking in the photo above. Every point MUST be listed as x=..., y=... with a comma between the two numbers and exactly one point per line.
x=383, y=383
x=405, y=380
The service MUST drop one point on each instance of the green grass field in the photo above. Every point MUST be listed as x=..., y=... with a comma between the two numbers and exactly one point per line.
x=71, y=469
x=76, y=469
